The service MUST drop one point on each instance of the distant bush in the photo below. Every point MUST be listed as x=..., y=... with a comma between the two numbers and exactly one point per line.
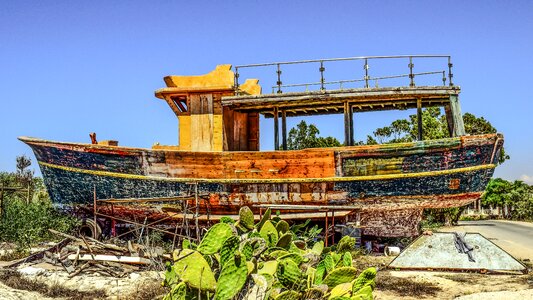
x=28, y=224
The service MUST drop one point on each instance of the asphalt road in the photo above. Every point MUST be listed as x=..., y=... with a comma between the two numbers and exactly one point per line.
x=512, y=236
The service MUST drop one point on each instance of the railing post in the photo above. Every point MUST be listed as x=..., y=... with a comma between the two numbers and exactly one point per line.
x=279, y=80
x=366, y=73
x=444, y=78
x=322, y=69
x=236, y=81
x=411, y=75
x=450, y=74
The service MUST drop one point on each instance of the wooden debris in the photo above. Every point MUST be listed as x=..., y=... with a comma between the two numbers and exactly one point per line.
x=112, y=258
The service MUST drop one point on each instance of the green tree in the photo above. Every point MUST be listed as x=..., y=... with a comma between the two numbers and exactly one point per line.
x=517, y=196
x=306, y=136
x=434, y=126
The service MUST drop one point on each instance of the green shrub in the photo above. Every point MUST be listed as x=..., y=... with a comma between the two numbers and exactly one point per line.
x=28, y=224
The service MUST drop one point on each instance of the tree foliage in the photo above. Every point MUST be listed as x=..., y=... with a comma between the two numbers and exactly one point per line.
x=517, y=196
x=434, y=126
x=306, y=136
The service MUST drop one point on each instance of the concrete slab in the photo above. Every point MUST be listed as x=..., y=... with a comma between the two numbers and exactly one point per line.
x=438, y=252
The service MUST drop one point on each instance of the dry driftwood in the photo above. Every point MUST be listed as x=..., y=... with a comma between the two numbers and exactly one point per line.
x=40, y=254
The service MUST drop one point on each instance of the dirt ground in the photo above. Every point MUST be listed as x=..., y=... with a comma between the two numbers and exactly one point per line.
x=390, y=284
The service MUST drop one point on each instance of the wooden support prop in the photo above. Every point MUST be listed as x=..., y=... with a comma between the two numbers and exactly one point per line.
x=458, y=125
x=326, y=230
x=347, y=129
x=352, y=139
x=419, y=117
x=284, y=128
x=276, y=129
x=449, y=119
x=112, y=258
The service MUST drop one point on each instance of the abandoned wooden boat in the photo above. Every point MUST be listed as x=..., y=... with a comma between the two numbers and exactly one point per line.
x=385, y=187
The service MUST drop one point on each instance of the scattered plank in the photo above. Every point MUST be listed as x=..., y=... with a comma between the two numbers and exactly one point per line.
x=40, y=254
x=112, y=258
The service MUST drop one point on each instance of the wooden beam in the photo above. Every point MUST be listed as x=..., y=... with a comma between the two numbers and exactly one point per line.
x=449, y=119
x=347, y=128
x=419, y=117
x=276, y=129
x=284, y=129
x=458, y=125
x=352, y=141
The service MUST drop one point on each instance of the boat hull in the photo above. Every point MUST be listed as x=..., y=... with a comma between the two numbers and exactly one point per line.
x=396, y=178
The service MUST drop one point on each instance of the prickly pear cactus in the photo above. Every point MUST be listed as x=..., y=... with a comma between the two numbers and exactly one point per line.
x=313, y=293
x=269, y=267
x=191, y=267
x=329, y=263
x=227, y=220
x=277, y=253
x=285, y=240
x=289, y=295
x=214, y=238
x=178, y=292
x=310, y=273
x=320, y=273
x=269, y=233
x=246, y=249
x=363, y=294
x=258, y=290
x=341, y=290
x=365, y=277
x=171, y=277
x=266, y=217
x=258, y=244
x=227, y=251
x=340, y=275
x=232, y=278
x=297, y=258
x=288, y=273
x=282, y=226
x=347, y=243
x=318, y=247
x=347, y=260
x=246, y=217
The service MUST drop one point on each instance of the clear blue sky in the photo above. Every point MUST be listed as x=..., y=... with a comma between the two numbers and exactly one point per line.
x=68, y=68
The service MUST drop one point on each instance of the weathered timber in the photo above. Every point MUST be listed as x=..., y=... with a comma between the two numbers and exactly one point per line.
x=40, y=254
x=419, y=118
x=284, y=128
x=276, y=128
x=347, y=124
x=111, y=258
x=459, y=127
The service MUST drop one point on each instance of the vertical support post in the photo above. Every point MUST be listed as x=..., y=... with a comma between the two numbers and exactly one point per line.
x=347, y=128
x=279, y=79
x=284, y=128
x=333, y=225
x=196, y=213
x=322, y=69
x=419, y=117
x=411, y=75
x=366, y=73
x=449, y=119
x=236, y=81
x=94, y=206
x=450, y=66
x=458, y=125
x=276, y=129
x=352, y=140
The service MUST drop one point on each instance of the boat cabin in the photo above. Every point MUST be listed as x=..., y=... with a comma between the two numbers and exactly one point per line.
x=217, y=113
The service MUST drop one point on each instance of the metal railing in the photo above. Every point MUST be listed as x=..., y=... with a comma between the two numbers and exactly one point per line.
x=366, y=77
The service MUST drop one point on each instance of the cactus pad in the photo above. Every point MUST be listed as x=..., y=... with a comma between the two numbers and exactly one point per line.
x=363, y=294
x=227, y=251
x=288, y=295
x=269, y=267
x=341, y=290
x=227, y=220
x=365, y=277
x=269, y=233
x=285, y=240
x=318, y=247
x=297, y=258
x=347, y=243
x=214, y=238
x=347, y=260
x=266, y=217
x=339, y=276
x=231, y=279
x=192, y=268
x=246, y=217
x=282, y=226
x=288, y=273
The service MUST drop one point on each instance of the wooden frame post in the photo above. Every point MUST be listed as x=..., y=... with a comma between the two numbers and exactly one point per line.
x=419, y=117
x=284, y=129
x=449, y=119
x=352, y=139
x=458, y=124
x=276, y=129
x=347, y=124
